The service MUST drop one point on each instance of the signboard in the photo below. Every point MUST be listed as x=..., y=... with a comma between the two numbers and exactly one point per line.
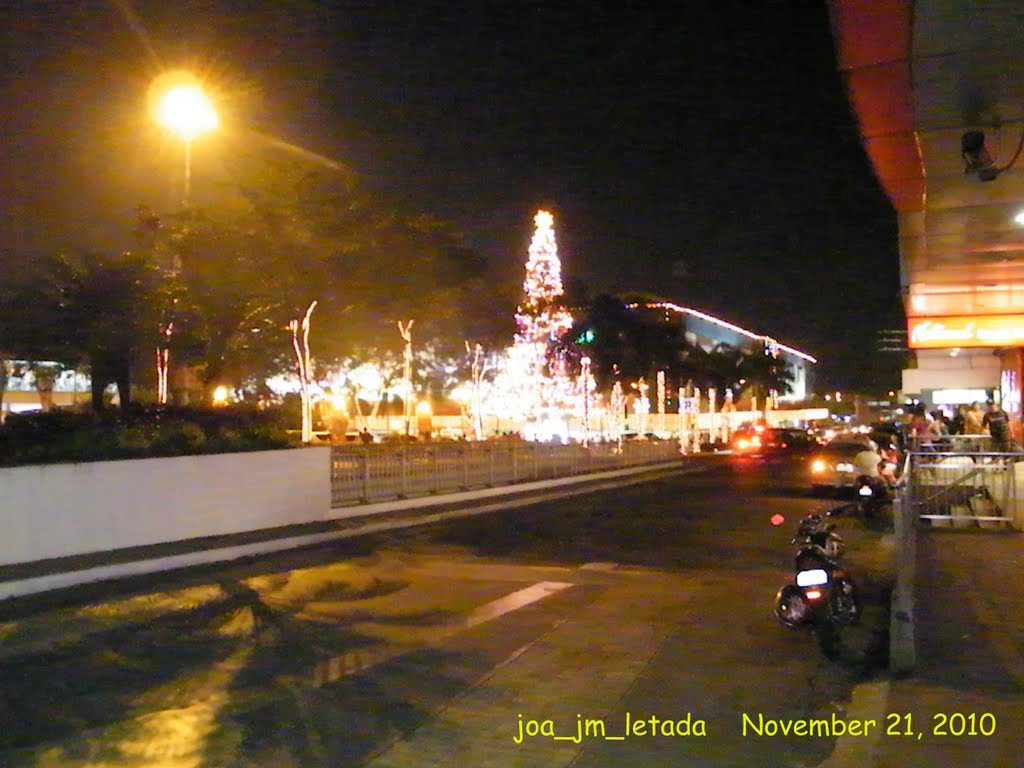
x=965, y=331
x=690, y=405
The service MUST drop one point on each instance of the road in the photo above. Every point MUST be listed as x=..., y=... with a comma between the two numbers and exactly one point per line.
x=529, y=637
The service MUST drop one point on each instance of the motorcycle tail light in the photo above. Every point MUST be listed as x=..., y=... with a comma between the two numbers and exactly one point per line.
x=812, y=578
x=813, y=594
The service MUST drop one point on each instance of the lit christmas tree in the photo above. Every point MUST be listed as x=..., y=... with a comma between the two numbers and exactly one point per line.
x=541, y=321
x=530, y=388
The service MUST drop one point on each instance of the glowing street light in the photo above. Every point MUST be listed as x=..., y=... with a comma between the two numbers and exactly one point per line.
x=186, y=111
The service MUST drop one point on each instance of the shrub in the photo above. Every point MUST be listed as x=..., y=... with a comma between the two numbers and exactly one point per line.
x=178, y=439
x=65, y=435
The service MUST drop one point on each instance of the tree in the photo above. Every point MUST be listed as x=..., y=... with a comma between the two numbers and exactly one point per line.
x=88, y=308
x=625, y=344
x=254, y=261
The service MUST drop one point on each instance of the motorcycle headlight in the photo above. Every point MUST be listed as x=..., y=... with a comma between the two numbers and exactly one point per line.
x=818, y=465
x=865, y=490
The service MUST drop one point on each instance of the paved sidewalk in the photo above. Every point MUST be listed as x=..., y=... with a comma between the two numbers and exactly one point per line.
x=970, y=652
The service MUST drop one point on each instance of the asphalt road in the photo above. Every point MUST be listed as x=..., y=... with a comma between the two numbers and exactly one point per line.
x=534, y=636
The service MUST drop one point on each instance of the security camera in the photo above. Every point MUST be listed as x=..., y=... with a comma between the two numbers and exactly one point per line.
x=976, y=158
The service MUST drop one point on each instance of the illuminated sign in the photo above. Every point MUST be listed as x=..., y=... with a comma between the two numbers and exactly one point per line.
x=965, y=331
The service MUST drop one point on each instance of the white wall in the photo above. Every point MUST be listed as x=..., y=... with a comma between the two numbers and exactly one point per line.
x=937, y=369
x=67, y=509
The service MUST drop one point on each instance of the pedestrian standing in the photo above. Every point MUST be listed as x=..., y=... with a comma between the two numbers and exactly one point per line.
x=998, y=423
x=974, y=420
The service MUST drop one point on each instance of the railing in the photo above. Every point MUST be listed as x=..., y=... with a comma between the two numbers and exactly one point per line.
x=951, y=444
x=948, y=481
x=364, y=473
x=965, y=488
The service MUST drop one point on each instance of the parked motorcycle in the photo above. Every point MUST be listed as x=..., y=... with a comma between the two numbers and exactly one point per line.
x=824, y=596
x=818, y=530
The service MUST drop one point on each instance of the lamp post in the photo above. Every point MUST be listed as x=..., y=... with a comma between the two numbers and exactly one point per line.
x=186, y=111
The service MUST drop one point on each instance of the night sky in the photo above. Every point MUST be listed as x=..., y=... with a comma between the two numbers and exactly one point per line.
x=703, y=152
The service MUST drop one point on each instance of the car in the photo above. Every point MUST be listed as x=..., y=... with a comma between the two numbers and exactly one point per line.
x=760, y=440
x=837, y=465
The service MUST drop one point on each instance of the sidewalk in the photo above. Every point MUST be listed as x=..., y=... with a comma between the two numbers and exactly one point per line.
x=970, y=653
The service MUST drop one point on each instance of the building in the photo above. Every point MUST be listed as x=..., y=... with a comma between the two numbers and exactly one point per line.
x=708, y=332
x=937, y=87
x=20, y=392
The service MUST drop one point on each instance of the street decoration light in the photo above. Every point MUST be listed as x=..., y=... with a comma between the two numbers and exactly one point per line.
x=300, y=343
x=405, y=330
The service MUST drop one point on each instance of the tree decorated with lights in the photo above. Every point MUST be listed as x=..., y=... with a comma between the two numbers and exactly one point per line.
x=541, y=320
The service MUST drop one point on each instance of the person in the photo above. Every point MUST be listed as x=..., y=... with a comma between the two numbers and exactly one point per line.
x=974, y=420
x=868, y=461
x=921, y=428
x=890, y=457
x=959, y=423
x=939, y=425
x=998, y=423
x=365, y=436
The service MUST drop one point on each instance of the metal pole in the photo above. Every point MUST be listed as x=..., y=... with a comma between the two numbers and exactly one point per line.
x=188, y=174
x=405, y=470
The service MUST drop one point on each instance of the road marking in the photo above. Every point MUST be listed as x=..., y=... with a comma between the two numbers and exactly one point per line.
x=337, y=667
x=868, y=703
x=515, y=601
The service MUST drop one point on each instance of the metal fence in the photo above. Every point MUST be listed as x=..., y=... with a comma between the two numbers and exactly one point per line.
x=363, y=473
x=975, y=487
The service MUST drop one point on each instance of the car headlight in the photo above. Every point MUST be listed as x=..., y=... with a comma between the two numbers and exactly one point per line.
x=844, y=467
x=818, y=466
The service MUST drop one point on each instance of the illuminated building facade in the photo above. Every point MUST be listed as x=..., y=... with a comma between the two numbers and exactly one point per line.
x=938, y=91
x=708, y=332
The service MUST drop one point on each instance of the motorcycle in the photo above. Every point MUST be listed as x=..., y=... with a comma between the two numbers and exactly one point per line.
x=824, y=596
x=816, y=530
x=872, y=495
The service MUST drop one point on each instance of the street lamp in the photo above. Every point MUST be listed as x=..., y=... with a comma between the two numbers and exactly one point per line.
x=186, y=110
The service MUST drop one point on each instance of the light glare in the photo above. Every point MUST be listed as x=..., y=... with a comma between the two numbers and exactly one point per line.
x=186, y=111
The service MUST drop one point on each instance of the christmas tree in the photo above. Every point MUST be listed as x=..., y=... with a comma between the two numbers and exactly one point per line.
x=540, y=318
x=541, y=321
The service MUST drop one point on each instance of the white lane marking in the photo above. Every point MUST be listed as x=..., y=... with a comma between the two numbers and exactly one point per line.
x=515, y=601
x=350, y=663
